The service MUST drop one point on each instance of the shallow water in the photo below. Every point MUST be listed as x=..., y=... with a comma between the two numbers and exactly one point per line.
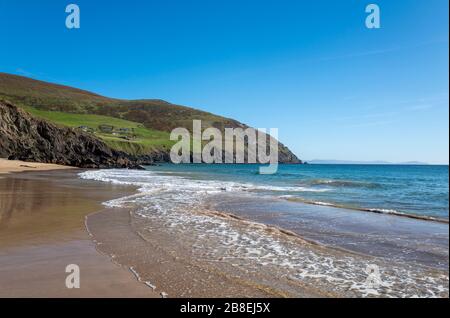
x=417, y=190
x=382, y=235
x=184, y=207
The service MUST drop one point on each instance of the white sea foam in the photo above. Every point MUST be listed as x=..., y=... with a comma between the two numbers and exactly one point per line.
x=386, y=211
x=322, y=203
x=167, y=202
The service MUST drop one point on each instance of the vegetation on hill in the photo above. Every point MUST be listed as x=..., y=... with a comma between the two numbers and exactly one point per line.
x=127, y=136
x=153, y=113
x=151, y=120
x=25, y=137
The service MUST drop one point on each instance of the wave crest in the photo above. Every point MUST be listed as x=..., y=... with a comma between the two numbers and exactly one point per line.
x=344, y=183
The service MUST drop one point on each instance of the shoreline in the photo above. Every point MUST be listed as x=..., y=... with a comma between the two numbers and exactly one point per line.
x=169, y=271
x=189, y=237
x=162, y=273
x=127, y=255
x=273, y=228
x=42, y=231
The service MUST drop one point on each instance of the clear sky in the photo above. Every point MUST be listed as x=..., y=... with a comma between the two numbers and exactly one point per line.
x=335, y=89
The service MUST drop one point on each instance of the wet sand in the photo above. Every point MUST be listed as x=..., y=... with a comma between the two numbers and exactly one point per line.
x=46, y=220
x=161, y=261
x=42, y=230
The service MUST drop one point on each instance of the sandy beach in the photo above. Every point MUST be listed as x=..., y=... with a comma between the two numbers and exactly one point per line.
x=42, y=230
x=9, y=166
x=47, y=216
x=142, y=245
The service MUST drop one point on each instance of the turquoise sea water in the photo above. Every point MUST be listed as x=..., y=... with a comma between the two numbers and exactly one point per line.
x=334, y=204
x=417, y=190
x=228, y=215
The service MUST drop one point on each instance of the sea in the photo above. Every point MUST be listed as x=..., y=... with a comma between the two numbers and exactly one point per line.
x=393, y=218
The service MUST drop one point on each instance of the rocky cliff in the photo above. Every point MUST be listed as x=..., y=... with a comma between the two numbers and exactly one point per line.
x=24, y=137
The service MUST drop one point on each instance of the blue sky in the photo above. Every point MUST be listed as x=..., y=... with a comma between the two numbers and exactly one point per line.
x=335, y=89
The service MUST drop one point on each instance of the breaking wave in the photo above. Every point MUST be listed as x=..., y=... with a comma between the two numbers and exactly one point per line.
x=173, y=203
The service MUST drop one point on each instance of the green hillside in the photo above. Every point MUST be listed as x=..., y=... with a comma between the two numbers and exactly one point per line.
x=136, y=126
x=125, y=135
x=151, y=120
x=152, y=113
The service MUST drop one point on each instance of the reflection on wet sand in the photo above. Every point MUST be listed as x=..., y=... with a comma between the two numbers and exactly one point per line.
x=42, y=231
x=36, y=208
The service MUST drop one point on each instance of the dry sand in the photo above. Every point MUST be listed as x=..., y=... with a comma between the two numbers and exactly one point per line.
x=8, y=166
x=42, y=230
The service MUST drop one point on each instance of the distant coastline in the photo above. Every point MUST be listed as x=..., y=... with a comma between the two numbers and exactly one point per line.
x=376, y=162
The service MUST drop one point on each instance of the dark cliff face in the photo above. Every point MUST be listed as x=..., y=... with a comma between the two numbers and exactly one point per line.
x=23, y=137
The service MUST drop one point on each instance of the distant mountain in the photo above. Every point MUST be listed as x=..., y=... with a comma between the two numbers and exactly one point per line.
x=377, y=162
x=413, y=163
x=134, y=127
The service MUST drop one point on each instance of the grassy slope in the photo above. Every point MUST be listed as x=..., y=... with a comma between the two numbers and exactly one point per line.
x=152, y=119
x=153, y=113
x=146, y=140
x=76, y=107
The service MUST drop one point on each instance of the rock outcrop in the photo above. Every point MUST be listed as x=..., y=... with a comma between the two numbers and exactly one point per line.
x=24, y=137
